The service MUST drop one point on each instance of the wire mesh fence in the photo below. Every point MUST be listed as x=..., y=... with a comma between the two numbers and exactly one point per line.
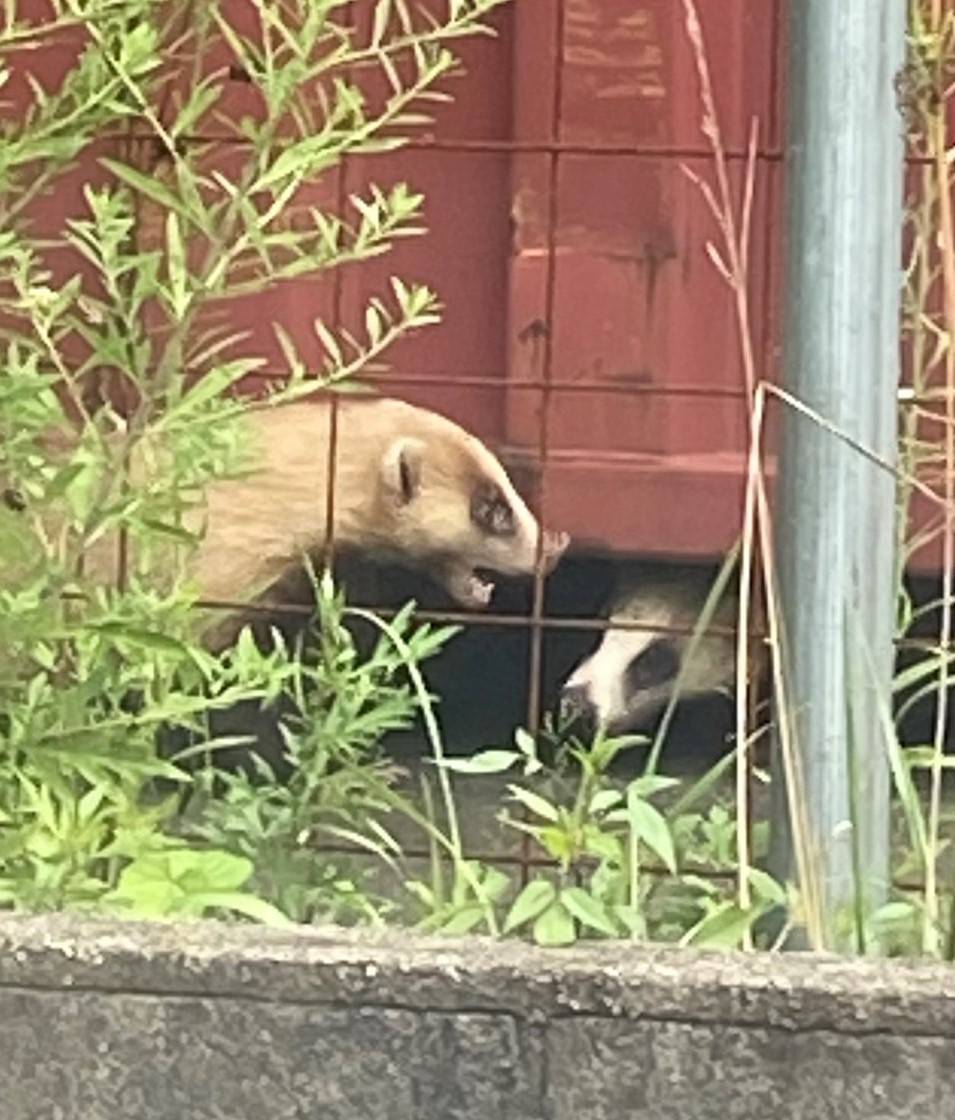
x=624, y=410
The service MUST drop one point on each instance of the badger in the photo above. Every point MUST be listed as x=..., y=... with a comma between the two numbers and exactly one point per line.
x=409, y=484
x=630, y=677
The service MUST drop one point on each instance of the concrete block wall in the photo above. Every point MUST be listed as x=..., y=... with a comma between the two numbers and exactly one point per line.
x=135, y=1021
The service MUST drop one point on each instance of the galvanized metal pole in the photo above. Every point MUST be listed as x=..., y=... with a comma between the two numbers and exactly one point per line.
x=834, y=517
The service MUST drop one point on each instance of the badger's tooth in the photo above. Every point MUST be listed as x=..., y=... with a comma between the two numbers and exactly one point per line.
x=481, y=590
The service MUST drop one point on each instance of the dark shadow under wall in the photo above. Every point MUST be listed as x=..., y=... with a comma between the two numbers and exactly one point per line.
x=482, y=677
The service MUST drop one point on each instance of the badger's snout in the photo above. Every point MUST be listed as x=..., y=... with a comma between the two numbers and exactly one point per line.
x=524, y=550
x=554, y=547
x=577, y=710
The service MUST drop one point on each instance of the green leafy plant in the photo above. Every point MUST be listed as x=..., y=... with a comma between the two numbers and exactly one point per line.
x=926, y=91
x=618, y=857
x=111, y=349
x=183, y=883
x=339, y=786
x=926, y=469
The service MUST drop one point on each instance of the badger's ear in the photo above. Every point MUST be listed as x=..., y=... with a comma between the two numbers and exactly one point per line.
x=401, y=468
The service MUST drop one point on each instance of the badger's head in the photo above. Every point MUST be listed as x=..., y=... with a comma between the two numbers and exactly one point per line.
x=450, y=506
x=632, y=674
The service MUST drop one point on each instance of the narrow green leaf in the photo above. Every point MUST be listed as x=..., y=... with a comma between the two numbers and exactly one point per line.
x=632, y=919
x=649, y=784
x=892, y=912
x=555, y=927
x=247, y=904
x=928, y=666
x=463, y=921
x=138, y=636
x=601, y=844
x=605, y=799
x=485, y=762
x=495, y=884
x=651, y=827
x=587, y=910
x=149, y=186
x=533, y=801
x=380, y=22
x=350, y=836
x=218, y=381
x=723, y=929
x=766, y=886
x=538, y=894
x=330, y=343
x=176, y=264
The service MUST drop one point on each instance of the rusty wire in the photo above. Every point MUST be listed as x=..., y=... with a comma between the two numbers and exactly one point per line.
x=535, y=678
x=333, y=417
x=544, y=147
x=546, y=384
x=550, y=288
x=505, y=859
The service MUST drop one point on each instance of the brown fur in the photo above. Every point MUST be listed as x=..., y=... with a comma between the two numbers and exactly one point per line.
x=404, y=479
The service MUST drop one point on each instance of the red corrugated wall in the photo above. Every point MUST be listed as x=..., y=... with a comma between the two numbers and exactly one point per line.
x=646, y=410
x=586, y=336
x=569, y=247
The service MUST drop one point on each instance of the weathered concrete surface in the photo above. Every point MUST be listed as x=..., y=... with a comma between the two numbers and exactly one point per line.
x=207, y=1022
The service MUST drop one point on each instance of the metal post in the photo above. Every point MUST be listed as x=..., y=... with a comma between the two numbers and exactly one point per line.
x=835, y=513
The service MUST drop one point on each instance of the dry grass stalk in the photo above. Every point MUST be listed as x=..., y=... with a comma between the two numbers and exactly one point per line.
x=939, y=32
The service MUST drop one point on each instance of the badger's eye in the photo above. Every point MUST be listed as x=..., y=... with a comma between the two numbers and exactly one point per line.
x=653, y=666
x=491, y=512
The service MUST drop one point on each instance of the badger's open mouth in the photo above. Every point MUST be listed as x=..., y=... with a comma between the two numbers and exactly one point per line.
x=471, y=587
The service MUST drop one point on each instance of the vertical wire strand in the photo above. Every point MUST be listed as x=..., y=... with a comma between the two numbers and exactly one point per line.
x=537, y=609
